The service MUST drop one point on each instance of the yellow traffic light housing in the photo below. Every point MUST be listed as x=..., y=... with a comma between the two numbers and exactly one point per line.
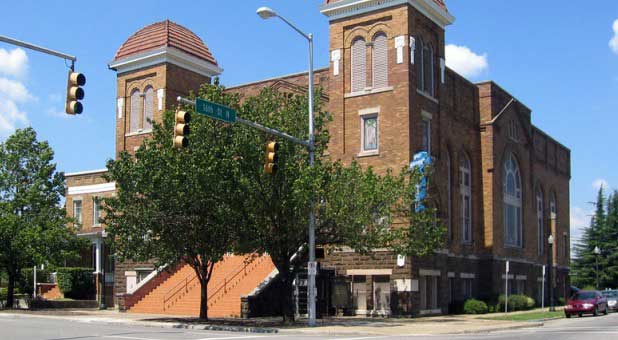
x=75, y=93
x=181, y=129
x=270, y=164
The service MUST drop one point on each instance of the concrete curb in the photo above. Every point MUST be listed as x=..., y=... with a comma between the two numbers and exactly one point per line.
x=170, y=325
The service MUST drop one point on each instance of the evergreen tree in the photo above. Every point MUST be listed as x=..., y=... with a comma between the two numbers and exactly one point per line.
x=610, y=247
x=584, y=265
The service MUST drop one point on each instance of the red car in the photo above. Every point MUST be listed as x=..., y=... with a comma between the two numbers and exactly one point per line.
x=586, y=302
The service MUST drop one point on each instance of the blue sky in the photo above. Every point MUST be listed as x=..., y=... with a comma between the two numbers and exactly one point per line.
x=554, y=56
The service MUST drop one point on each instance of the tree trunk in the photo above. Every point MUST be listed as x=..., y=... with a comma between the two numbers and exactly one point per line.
x=286, y=303
x=204, y=300
x=10, y=297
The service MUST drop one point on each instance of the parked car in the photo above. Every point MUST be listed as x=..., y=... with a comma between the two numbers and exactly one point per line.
x=612, y=299
x=586, y=302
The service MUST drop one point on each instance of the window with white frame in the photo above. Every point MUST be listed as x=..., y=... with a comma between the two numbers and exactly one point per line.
x=511, y=187
x=369, y=133
x=96, y=213
x=359, y=65
x=449, y=195
x=77, y=211
x=135, y=116
x=540, y=221
x=465, y=189
x=148, y=108
x=380, y=61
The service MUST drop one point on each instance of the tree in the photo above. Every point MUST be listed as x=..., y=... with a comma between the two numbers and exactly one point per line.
x=214, y=196
x=33, y=224
x=584, y=266
x=178, y=206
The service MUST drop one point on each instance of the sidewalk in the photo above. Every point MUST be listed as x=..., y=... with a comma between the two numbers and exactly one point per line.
x=459, y=324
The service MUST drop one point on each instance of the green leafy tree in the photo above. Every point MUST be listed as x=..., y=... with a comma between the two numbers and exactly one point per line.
x=196, y=204
x=178, y=206
x=33, y=224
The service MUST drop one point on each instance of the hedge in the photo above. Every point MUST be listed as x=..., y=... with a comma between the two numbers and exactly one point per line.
x=473, y=306
x=516, y=302
x=76, y=283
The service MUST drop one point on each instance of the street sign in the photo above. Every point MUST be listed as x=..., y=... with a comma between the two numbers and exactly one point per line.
x=312, y=268
x=215, y=111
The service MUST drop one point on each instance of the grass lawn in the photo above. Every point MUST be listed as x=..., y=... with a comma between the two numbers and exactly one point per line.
x=530, y=316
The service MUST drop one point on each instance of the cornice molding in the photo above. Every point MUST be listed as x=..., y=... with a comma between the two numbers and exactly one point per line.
x=348, y=8
x=165, y=54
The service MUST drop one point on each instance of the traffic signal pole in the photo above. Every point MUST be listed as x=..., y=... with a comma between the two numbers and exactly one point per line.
x=30, y=46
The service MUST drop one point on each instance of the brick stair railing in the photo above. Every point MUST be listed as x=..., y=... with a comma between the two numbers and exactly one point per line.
x=130, y=300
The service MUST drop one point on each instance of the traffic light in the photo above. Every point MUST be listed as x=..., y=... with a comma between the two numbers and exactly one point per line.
x=181, y=129
x=270, y=164
x=75, y=93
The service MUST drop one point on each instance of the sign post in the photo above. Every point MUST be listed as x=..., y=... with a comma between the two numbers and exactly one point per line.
x=506, y=289
x=543, y=290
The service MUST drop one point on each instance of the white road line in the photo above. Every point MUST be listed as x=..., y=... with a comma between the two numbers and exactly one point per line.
x=127, y=337
x=234, y=337
x=365, y=337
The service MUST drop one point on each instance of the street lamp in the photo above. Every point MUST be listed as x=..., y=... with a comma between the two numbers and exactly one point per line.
x=550, y=259
x=597, y=252
x=267, y=13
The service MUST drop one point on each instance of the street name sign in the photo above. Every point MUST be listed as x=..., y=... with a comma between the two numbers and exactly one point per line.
x=215, y=111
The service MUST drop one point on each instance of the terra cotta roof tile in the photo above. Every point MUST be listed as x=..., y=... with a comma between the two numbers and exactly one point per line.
x=165, y=33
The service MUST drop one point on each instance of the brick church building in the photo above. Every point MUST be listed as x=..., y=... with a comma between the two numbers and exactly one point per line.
x=501, y=184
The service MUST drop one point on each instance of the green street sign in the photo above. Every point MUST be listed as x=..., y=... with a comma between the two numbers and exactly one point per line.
x=215, y=111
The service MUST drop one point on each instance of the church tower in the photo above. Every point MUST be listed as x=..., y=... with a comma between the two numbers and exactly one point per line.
x=386, y=71
x=154, y=66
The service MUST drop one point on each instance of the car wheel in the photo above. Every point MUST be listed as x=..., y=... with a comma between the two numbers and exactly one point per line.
x=605, y=312
x=596, y=311
x=580, y=314
x=568, y=316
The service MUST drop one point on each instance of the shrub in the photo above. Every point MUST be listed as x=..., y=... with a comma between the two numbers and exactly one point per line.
x=76, y=283
x=561, y=301
x=5, y=291
x=24, y=280
x=516, y=302
x=473, y=306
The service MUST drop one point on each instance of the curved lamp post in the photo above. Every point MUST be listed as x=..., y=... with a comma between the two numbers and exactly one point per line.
x=267, y=13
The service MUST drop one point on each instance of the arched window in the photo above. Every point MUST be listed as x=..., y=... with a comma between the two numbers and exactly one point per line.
x=418, y=56
x=359, y=65
x=540, y=220
x=449, y=196
x=428, y=75
x=465, y=188
x=135, y=119
x=511, y=187
x=380, y=61
x=148, y=108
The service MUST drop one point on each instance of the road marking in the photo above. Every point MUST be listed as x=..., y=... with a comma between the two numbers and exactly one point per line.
x=365, y=337
x=234, y=337
x=128, y=337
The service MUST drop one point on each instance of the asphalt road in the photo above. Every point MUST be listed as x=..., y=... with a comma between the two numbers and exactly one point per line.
x=599, y=328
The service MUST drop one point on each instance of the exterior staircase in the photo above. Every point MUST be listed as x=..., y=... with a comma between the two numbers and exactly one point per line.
x=180, y=294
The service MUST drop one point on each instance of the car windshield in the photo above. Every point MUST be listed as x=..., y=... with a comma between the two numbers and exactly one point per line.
x=584, y=296
x=610, y=293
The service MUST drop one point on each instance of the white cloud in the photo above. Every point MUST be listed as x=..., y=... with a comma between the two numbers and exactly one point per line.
x=580, y=219
x=14, y=90
x=613, y=43
x=10, y=116
x=600, y=182
x=13, y=62
x=465, y=62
